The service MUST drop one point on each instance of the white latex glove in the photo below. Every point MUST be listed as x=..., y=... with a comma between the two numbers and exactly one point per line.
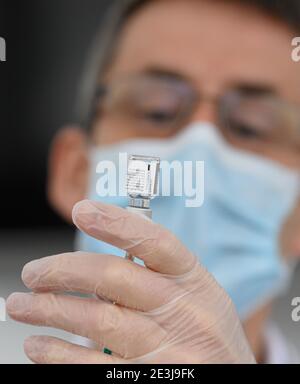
x=173, y=311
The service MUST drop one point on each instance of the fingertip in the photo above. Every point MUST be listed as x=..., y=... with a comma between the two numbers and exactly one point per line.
x=27, y=275
x=30, y=344
x=11, y=300
x=32, y=272
x=85, y=213
x=16, y=303
x=33, y=347
x=76, y=210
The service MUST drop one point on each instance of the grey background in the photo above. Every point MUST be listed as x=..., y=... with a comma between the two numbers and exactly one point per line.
x=16, y=249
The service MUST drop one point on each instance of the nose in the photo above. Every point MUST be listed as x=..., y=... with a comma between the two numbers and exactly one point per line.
x=206, y=111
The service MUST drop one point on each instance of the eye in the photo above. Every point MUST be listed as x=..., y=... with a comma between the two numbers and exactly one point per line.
x=245, y=130
x=159, y=116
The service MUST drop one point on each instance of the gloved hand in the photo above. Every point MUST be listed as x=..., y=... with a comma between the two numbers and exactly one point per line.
x=173, y=311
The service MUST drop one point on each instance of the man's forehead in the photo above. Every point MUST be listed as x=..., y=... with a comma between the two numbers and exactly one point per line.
x=207, y=42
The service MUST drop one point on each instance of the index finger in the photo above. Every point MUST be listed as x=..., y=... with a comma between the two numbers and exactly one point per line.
x=160, y=250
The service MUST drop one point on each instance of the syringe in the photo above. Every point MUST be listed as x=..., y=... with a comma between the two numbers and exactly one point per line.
x=142, y=185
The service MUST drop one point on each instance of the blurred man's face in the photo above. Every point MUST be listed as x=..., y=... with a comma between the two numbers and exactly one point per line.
x=201, y=43
x=205, y=43
x=214, y=46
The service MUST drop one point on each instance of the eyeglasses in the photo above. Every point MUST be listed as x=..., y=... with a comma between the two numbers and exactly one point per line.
x=163, y=105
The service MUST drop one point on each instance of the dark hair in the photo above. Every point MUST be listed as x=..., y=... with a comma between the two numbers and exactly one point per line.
x=286, y=10
x=106, y=41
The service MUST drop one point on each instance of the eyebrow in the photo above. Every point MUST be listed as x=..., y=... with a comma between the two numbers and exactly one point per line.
x=161, y=72
x=244, y=86
x=256, y=89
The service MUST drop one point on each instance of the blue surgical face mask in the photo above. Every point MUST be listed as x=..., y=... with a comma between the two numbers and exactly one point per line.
x=235, y=232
